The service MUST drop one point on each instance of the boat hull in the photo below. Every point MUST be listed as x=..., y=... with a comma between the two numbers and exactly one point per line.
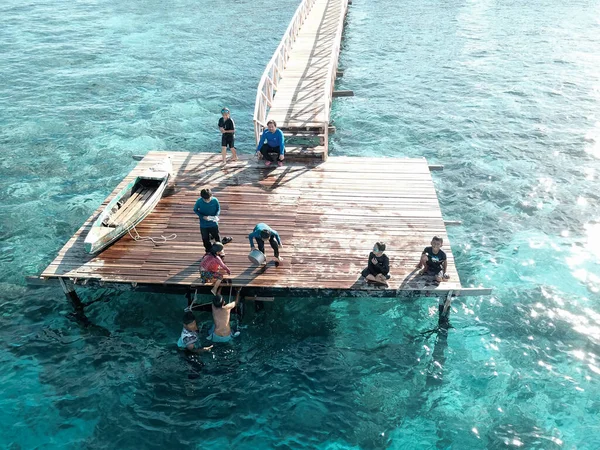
x=128, y=208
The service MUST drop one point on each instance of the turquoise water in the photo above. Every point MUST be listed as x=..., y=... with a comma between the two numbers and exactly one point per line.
x=506, y=95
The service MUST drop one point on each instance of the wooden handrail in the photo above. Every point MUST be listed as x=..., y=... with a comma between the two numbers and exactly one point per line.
x=267, y=86
x=331, y=75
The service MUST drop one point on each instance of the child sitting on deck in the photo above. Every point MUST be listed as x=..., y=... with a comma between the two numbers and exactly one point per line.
x=210, y=266
x=378, y=270
x=433, y=261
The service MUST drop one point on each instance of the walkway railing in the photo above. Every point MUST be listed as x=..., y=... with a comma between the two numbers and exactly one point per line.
x=331, y=76
x=272, y=74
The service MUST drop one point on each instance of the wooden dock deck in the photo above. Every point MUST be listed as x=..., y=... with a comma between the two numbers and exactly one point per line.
x=328, y=215
x=297, y=87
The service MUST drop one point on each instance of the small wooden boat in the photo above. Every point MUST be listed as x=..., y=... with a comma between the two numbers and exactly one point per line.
x=129, y=207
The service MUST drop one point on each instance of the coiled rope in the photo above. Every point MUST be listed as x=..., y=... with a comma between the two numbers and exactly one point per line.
x=159, y=240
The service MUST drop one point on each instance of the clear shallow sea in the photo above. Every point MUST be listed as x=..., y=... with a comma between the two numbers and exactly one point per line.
x=506, y=95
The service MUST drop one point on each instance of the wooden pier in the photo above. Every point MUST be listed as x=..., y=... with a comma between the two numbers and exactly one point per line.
x=329, y=215
x=296, y=89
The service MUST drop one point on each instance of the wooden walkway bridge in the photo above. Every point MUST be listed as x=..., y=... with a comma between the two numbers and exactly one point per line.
x=329, y=215
x=296, y=88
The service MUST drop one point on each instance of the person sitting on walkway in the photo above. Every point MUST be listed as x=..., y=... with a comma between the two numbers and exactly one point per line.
x=378, y=269
x=208, y=208
x=210, y=267
x=227, y=129
x=263, y=232
x=433, y=261
x=190, y=335
x=221, y=329
x=271, y=144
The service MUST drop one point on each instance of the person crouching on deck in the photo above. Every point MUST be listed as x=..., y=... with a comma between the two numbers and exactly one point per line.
x=190, y=335
x=433, y=261
x=271, y=144
x=221, y=330
x=263, y=232
x=378, y=269
x=211, y=265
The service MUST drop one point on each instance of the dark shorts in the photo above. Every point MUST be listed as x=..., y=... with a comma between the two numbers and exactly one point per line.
x=207, y=277
x=227, y=140
x=435, y=272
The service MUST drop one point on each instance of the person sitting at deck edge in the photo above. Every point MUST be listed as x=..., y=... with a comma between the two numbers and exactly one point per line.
x=210, y=265
x=262, y=232
x=378, y=269
x=433, y=261
x=271, y=144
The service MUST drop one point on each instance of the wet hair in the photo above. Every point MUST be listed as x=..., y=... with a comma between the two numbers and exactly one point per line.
x=188, y=318
x=265, y=234
x=216, y=248
x=206, y=193
x=437, y=239
x=272, y=122
x=379, y=247
x=218, y=301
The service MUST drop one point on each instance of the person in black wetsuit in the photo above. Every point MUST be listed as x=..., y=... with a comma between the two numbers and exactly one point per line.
x=433, y=261
x=227, y=128
x=378, y=270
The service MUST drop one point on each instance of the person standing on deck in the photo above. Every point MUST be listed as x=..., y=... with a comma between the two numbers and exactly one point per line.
x=263, y=232
x=208, y=208
x=227, y=129
x=271, y=144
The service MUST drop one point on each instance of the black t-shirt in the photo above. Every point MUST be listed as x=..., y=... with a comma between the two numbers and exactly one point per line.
x=382, y=266
x=227, y=125
x=434, y=261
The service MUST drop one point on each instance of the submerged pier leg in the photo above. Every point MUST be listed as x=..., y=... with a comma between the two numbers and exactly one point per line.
x=444, y=310
x=189, y=298
x=69, y=290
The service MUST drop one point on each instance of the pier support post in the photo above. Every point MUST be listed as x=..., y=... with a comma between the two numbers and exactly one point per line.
x=444, y=306
x=189, y=298
x=69, y=290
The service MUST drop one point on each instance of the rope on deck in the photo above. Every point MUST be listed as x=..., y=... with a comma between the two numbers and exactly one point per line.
x=159, y=240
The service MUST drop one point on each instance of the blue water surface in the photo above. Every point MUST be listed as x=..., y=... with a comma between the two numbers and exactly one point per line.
x=506, y=95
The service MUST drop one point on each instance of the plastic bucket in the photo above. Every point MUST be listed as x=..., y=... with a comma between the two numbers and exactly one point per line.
x=257, y=257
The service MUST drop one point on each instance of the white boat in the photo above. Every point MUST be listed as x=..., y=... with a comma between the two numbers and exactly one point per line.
x=129, y=207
